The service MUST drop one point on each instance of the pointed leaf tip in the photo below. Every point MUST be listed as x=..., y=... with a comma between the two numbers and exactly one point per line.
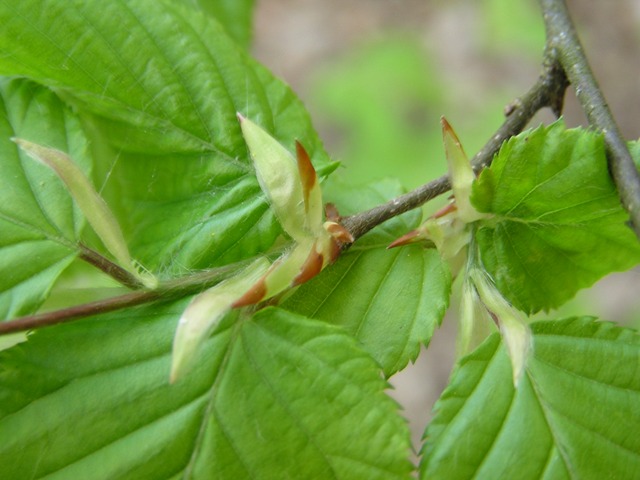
x=447, y=209
x=310, y=189
x=461, y=174
x=406, y=239
x=447, y=130
x=307, y=172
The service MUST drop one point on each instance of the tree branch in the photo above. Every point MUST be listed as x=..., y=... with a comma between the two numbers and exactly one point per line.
x=563, y=40
x=173, y=289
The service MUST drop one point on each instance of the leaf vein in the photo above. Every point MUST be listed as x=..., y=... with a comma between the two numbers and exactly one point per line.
x=258, y=368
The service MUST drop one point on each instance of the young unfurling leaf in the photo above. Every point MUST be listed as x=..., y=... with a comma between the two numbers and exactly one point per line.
x=289, y=193
x=513, y=327
x=475, y=322
x=460, y=173
x=554, y=206
x=292, y=188
x=448, y=229
x=205, y=312
x=92, y=205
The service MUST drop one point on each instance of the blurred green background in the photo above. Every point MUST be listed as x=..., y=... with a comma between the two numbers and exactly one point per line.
x=379, y=102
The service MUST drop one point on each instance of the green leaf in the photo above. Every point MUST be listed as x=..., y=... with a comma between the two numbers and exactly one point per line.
x=235, y=15
x=390, y=300
x=159, y=85
x=558, y=225
x=39, y=224
x=273, y=396
x=574, y=415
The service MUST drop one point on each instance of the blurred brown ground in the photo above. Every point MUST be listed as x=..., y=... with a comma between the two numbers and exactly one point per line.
x=296, y=38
